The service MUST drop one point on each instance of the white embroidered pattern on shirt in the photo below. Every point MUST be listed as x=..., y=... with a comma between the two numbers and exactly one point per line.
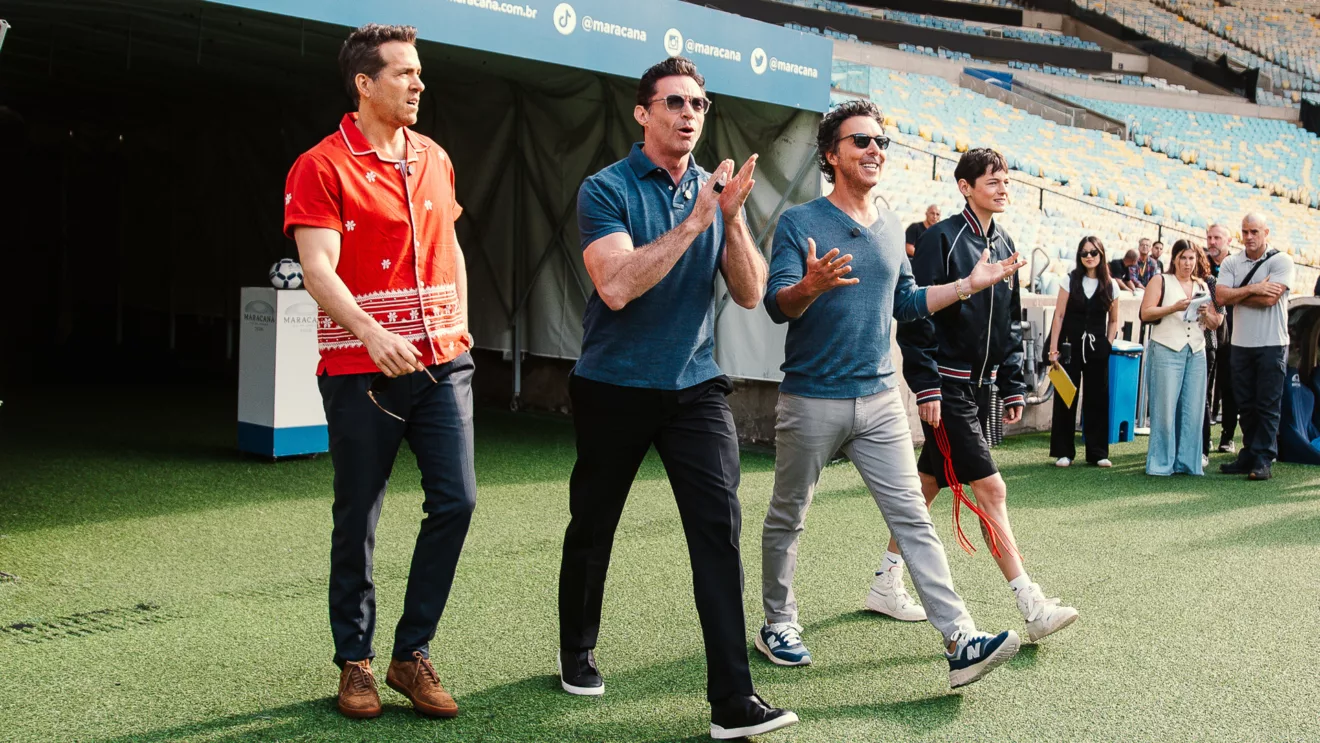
x=402, y=316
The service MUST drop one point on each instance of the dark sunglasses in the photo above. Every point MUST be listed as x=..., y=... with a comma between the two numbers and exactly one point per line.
x=862, y=141
x=1089, y=254
x=675, y=103
x=377, y=387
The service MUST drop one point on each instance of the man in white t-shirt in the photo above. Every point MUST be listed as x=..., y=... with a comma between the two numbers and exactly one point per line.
x=1255, y=283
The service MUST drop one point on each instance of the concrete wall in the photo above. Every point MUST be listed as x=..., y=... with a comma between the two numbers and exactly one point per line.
x=1163, y=98
x=545, y=384
x=889, y=32
x=890, y=58
x=1131, y=64
x=1153, y=65
x=1045, y=21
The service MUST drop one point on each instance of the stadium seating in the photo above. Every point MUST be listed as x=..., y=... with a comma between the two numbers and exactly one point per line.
x=1172, y=28
x=996, y=3
x=1280, y=34
x=946, y=24
x=1108, y=77
x=1096, y=183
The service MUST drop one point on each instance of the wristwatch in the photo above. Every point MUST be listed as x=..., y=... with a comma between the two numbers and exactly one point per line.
x=962, y=296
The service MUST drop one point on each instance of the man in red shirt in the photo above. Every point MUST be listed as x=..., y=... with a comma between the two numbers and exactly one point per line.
x=372, y=209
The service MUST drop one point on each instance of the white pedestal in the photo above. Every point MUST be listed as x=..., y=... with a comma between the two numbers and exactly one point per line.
x=279, y=404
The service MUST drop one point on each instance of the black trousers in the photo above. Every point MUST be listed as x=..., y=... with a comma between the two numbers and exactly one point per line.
x=1092, y=379
x=1224, y=391
x=1258, y=377
x=364, y=442
x=692, y=430
x=1211, y=358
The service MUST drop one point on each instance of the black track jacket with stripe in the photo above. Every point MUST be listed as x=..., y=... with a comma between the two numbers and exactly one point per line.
x=978, y=341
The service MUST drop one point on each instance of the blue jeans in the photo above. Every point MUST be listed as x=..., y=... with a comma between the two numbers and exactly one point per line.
x=364, y=442
x=1177, y=405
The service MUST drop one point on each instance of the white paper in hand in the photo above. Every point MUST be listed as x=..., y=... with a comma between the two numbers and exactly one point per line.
x=1190, y=314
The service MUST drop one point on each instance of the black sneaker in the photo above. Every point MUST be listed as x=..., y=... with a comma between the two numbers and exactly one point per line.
x=739, y=717
x=1235, y=467
x=1260, y=473
x=578, y=673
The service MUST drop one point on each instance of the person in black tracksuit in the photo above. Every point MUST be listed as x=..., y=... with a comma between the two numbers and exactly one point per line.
x=951, y=359
x=1086, y=318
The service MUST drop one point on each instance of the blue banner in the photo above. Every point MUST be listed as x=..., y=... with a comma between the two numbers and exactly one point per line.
x=738, y=56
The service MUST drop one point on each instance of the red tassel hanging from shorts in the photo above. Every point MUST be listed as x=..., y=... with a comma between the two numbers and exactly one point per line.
x=996, y=534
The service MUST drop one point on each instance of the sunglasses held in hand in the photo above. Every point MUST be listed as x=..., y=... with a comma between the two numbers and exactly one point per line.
x=378, y=384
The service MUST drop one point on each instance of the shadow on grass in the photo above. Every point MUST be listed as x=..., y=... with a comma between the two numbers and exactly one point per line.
x=95, y=454
x=916, y=715
x=533, y=709
x=1290, y=531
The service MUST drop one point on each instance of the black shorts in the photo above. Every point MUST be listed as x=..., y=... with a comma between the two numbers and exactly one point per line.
x=964, y=413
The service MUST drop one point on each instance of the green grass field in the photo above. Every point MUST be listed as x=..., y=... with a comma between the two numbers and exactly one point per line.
x=169, y=590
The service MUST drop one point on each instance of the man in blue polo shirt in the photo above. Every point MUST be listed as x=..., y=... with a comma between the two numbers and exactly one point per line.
x=656, y=232
x=840, y=391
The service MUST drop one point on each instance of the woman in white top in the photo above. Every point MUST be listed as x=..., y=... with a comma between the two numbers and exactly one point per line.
x=1086, y=317
x=1177, y=362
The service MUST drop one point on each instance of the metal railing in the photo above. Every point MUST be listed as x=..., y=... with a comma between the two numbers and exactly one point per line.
x=941, y=169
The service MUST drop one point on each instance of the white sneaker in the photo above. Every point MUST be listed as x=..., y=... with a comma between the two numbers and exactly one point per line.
x=1063, y=462
x=1205, y=460
x=1044, y=616
x=889, y=596
x=1104, y=463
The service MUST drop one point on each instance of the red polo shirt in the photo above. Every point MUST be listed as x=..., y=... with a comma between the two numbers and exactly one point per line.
x=399, y=253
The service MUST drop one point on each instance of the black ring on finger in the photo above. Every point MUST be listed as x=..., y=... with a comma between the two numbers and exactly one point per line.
x=718, y=187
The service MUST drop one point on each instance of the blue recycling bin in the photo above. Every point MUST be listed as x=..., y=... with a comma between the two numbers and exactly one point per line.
x=1124, y=380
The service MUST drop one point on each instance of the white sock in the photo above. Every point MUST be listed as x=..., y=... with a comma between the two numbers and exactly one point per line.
x=1019, y=583
x=892, y=561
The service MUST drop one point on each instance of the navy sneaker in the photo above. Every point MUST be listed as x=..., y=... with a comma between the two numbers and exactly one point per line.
x=739, y=717
x=782, y=644
x=978, y=653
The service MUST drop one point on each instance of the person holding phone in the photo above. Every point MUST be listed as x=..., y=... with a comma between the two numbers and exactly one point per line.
x=1086, y=317
x=1177, y=361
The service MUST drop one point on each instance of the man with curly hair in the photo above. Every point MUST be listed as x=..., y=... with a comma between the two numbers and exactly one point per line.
x=840, y=391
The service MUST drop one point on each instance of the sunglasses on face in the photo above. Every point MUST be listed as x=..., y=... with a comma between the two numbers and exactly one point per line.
x=1090, y=254
x=862, y=141
x=674, y=103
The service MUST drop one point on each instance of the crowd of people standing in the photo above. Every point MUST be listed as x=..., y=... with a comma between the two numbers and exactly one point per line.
x=1199, y=360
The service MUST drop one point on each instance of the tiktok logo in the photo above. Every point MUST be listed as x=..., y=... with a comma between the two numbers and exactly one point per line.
x=565, y=19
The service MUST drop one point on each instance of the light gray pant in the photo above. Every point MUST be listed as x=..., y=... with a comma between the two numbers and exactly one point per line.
x=873, y=431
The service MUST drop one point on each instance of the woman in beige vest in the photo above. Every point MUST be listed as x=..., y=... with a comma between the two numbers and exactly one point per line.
x=1177, y=361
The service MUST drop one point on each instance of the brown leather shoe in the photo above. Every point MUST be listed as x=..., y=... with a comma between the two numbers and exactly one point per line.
x=357, y=690
x=416, y=680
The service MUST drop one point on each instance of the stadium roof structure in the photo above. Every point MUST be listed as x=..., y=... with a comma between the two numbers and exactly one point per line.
x=738, y=56
x=178, y=120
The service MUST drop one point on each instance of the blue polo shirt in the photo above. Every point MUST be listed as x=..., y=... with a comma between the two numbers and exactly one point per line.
x=664, y=339
x=840, y=347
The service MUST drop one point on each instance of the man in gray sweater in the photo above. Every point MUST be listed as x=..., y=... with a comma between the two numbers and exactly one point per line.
x=840, y=389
